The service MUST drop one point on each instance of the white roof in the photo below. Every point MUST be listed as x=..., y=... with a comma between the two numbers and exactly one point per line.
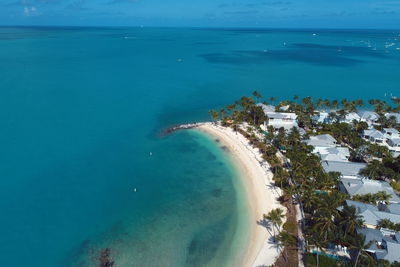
x=321, y=140
x=345, y=168
x=367, y=186
x=374, y=133
x=266, y=108
x=269, y=110
x=281, y=115
x=334, y=153
x=394, y=141
x=391, y=130
x=368, y=115
x=352, y=116
x=396, y=115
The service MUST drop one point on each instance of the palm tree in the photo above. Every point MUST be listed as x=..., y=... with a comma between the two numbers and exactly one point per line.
x=382, y=196
x=350, y=219
x=275, y=216
x=214, y=115
x=257, y=95
x=314, y=241
x=334, y=104
x=222, y=112
x=319, y=102
x=327, y=103
x=373, y=170
x=384, y=223
x=231, y=108
x=358, y=244
x=272, y=99
x=327, y=212
x=287, y=240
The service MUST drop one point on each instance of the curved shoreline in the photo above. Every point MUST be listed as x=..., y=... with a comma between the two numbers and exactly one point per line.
x=260, y=192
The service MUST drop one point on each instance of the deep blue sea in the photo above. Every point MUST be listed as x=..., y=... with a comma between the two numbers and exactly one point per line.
x=81, y=110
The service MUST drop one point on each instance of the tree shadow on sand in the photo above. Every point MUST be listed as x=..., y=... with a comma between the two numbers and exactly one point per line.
x=266, y=224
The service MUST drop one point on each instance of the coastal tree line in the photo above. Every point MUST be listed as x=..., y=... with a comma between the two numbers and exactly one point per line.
x=299, y=173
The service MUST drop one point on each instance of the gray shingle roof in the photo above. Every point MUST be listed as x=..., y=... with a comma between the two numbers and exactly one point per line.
x=276, y=115
x=394, y=208
x=394, y=141
x=266, y=108
x=396, y=115
x=373, y=235
x=345, y=168
x=390, y=130
x=368, y=115
x=391, y=246
x=321, y=140
x=370, y=213
x=366, y=186
x=374, y=133
x=393, y=249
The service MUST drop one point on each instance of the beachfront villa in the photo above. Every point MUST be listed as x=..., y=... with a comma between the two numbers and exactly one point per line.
x=394, y=145
x=388, y=137
x=371, y=213
x=332, y=153
x=390, y=133
x=367, y=116
x=349, y=170
x=374, y=136
x=322, y=117
x=278, y=120
x=395, y=115
x=385, y=245
x=349, y=118
x=354, y=187
x=321, y=141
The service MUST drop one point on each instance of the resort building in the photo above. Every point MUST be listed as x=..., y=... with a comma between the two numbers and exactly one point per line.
x=347, y=169
x=388, y=137
x=385, y=245
x=390, y=133
x=374, y=136
x=391, y=207
x=321, y=117
x=369, y=117
x=321, y=141
x=349, y=118
x=394, y=145
x=354, y=187
x=395, y=115
x=371, y=214
x=286, y=120
x=332, y=153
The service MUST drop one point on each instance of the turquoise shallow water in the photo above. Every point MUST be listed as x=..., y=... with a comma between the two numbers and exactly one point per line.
x=81, y=109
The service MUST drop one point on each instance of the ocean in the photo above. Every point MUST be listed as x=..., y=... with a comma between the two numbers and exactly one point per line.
x=83, y=164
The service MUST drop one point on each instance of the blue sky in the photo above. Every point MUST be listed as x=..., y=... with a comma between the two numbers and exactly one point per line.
x=235, y=13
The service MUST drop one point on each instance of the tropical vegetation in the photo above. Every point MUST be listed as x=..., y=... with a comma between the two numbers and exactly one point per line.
x=298, y=172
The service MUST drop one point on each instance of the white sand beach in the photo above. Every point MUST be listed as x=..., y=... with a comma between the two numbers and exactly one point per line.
x=262, y=196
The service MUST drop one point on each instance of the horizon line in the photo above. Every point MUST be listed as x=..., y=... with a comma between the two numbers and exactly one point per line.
x=198, y=27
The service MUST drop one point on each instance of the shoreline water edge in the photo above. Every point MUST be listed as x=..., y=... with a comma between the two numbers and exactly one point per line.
x=261, y=194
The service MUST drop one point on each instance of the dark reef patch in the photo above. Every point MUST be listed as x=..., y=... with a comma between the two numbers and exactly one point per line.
x=345, y=49
x=205, y=244
x=321, y=57
x=216, y=192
